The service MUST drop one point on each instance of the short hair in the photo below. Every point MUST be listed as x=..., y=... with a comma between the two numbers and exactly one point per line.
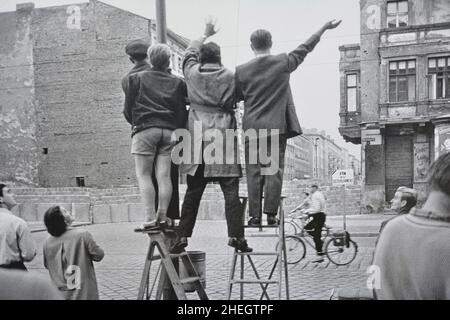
x=409, y=195
x=159, y=55
x=2, y=186
x=314, y=186
x=210, y=53
x=261, y=39
x=54, y=221
x=439, y=174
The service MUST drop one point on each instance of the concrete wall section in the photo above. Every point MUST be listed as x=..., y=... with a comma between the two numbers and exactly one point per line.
x=124, y=204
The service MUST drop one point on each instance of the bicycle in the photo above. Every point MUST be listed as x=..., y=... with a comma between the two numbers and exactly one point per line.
x=338, y=246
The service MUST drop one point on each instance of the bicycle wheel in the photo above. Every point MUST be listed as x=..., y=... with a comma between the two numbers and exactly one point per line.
x=341, y=254
x=295, y=249
x=290, y=228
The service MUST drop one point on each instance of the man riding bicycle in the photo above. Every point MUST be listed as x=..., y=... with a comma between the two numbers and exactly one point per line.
x=316, y=211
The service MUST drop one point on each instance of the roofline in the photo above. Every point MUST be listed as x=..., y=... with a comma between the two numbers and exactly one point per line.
x=182, y=40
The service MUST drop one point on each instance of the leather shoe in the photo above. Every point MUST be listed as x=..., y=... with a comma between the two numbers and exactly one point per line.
x=254, y=222
x=240, y=245
x=272, y=220
x=179, y=246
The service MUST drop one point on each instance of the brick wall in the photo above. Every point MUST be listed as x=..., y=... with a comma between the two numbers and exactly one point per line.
x=19, y=156
x=61, y=99
x=78, y=75
x=123, y=204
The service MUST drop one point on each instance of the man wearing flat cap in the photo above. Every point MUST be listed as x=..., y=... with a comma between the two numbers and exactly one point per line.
x=137, y=52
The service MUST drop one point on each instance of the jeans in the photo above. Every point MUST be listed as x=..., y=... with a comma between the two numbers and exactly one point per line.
x=316, y=225
x=257, y=183
x=233, y=208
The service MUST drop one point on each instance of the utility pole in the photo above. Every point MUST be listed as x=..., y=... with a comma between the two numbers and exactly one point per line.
x=161, y=25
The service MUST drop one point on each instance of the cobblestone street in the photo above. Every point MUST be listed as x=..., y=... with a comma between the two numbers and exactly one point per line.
x=119, y=273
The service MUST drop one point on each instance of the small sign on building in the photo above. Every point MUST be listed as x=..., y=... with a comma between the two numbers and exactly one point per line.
x=343, y=177
x=372, y=137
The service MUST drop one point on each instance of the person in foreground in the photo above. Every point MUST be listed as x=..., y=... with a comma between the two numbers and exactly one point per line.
x=404, y=200
x=413, y=253
x=16, y=243
x=19, y=285
x=69, y=254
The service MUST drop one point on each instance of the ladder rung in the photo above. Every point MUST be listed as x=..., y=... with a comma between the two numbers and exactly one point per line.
x=172, y=255
x=254, y=281
x=176, y=255
x=271, y=253
x=189, y=280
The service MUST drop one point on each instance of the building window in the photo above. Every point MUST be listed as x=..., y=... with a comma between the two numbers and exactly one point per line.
x=397, y=14
x=352, y=91
x=80, y=181
x=439, y=78
x=402, y=81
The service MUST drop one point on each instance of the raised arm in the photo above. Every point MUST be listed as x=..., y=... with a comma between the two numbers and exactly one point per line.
x=297, y=56
x=191, y=56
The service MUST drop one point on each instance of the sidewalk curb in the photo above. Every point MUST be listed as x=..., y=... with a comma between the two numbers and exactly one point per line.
x=364, y=234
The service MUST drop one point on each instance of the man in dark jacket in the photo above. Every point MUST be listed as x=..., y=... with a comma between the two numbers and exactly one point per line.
x=155, y=106
x=263, y=84
x=137, y=51
x=211, y=94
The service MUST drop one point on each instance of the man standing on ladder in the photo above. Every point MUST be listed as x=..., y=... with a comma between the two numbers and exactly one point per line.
x=212, y=99
x=263, y=85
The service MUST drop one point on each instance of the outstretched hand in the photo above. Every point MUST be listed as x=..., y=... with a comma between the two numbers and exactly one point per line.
x=210, y=28
x=332, y=24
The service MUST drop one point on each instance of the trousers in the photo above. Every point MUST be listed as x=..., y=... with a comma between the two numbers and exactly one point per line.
x=259, y=182
x=233, y=207
x=316, y=225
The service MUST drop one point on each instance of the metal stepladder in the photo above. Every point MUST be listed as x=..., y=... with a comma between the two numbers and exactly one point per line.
x=168, y=268
x=279, y=254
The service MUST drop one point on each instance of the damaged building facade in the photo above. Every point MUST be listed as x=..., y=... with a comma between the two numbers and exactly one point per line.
x=61, y=100
x=395, y=94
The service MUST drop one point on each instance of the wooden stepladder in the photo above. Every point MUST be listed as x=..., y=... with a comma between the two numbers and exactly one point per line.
x=168, y=268
x=280, y=262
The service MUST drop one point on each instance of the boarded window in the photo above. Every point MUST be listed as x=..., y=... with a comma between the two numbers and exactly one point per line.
x=80, y=182
x=374, y=165
x=399, y=163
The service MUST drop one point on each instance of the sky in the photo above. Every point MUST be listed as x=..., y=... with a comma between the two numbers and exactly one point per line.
x=315, y=84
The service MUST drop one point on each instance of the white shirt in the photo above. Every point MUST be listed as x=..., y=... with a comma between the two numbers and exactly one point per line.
x=317, y=203
x=16, y=243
